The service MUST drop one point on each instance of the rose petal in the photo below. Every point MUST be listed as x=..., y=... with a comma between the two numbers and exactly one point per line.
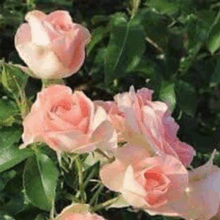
x=38, y=34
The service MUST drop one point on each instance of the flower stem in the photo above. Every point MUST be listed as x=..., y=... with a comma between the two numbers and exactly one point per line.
x=90, y=176
x=104, y=204
x=96, y=194
x=48, y=82
x=80, y=174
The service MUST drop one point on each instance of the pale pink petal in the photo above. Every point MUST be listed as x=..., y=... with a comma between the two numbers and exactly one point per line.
x=202, y=200
x=131, y=154
x=38, y=34
x=105, y=136
x=51, y=31
x=112, y=175
x=66, y=140
x=37, y=14
x=145, y=94
x=85, y=32
x=23, y=35
x=185, y=152
x=106, y=105
x=152, y=125
x=37, y=58
x=132, y=191
x=99, y=117
x=86, y=105
x=59, y=18
x=131, y=121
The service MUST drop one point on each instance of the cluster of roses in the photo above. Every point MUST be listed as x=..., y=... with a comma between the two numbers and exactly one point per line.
x=150, y=163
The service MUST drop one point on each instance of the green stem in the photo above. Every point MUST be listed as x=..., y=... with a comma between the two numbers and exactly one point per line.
x=80, y=174
x=96, y=194
x=104, y=204
x=90, y=176
x=48, y=82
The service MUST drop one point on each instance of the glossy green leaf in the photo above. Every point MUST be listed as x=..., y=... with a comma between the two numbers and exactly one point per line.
x=10, y=154
x=125, y=48
x=40, y=180
x=214, y=38
x=167, y=94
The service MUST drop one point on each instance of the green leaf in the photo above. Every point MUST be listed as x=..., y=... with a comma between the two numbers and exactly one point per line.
x=125, y=49
x=155, y=28
x=164, y=6
x=97, y=19
x=214, y=38
x=146, y=67
x=97, y=35
x=7, y=111
x=167, y=94
x=13, y=79
x=40, y=180
x=186, y=97
x=13, y=202
x=10, y=154
x=5, y=177
x=5, y=216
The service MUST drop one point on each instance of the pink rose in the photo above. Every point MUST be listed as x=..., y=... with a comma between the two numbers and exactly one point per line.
x=201, y=199
x=51, y=45
x=67, y=122
x=150, y=183
x=115, y=116
x=148, y=123
x=78, y=212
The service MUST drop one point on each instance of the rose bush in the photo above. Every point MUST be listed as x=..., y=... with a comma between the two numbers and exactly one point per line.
x=147, y=123
x=67, y=122
x=51, y=45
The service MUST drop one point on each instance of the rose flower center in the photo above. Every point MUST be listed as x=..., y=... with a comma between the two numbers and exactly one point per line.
x=156, y=184
x=62, y=106
x=153, y=180
x=62, y=27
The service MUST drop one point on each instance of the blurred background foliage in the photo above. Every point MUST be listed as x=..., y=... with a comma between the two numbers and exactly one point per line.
x=170, y=46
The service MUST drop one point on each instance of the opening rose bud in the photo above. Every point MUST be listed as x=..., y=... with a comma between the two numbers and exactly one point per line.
x=51, y=45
